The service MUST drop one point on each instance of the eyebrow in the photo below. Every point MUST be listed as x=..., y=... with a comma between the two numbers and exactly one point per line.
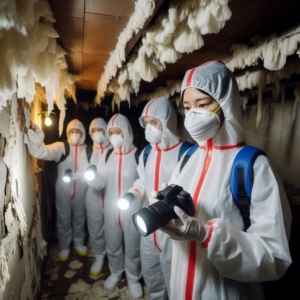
x=199, y=99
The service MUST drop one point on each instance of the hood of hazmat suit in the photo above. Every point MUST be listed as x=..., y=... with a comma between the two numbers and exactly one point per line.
x=99, y=123
x=156, y=249
x=162, y=109
x=122, y=122
x=120, y=174
x=231, y=261
x=76, y=124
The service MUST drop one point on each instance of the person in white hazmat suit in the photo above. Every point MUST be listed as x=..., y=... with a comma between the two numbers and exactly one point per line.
x=213, y=257
x=95, y=196
x=120, y=173
x=70, y=210
x=160, y=123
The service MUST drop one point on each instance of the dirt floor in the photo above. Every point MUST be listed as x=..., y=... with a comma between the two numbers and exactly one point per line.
x=71, y=280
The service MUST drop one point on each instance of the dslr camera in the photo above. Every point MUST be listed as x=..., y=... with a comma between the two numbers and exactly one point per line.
x=150, y=218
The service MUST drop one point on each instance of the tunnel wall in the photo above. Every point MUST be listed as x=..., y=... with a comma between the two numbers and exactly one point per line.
x=22, y=246
x=279, y=136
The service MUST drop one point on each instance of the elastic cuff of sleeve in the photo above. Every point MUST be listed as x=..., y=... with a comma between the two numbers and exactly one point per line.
x=137, y=195
x=208, y=238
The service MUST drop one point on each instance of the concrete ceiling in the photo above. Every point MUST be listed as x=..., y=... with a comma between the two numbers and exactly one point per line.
x=89, y=30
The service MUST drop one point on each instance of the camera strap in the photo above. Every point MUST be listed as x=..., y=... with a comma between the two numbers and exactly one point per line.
x=89, y=151
x=136, y=155
x=183, y=148
x=67, y=152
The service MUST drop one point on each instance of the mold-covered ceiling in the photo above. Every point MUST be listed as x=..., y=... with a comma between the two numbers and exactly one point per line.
x=89, y=31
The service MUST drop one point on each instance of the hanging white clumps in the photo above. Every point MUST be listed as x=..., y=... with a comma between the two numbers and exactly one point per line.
x=187, y=40
x=173, y=87
x=261, y=86
x=174, y=32
x=272, y=50
x=142, y=11
x=268, y=80
x=250, y=80
x=29, y=55
x=244, y=102
x=297, y=100
x=133, y=76
x=168, y=54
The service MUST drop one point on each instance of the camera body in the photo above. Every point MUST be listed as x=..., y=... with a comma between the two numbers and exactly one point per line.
x=150, y=218
x=178, y=197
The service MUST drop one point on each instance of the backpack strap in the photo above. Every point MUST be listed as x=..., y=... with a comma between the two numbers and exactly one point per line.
x=89, y=152
x=191, y=151
x=147, y=150
x=108, y=153
x=183, y=148
x=67, y=152
x=137, y=155
x=241, y=180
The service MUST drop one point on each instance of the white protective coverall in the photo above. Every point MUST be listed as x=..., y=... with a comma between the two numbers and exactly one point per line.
x=70, y=196
x=120, y=175
x=156, y=249
x=95, y=196
x=230, y=263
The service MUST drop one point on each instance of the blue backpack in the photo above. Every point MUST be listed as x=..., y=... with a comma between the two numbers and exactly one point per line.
x=241, y=178
x=184, y=147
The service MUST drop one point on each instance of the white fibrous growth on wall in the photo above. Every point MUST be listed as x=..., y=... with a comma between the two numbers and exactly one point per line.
x=30, y=55
x=178, y=30
x=262, y=80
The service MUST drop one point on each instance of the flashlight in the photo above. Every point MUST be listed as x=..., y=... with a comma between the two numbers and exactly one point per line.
x=67, y=176
x=90, y=173
x=125, y=202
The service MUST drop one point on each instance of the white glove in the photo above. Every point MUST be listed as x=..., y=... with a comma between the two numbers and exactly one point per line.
x=96, y=182
x=136, y=195
x=153, y=194
x=36, y=136
x=191, y=230
x=153, y=197
x=76, y=176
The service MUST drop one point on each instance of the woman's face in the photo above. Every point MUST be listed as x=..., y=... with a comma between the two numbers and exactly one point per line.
x=193, y=98
x=115, y=130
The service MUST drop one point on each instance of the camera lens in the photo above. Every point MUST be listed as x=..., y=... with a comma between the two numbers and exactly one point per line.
x=150, y=218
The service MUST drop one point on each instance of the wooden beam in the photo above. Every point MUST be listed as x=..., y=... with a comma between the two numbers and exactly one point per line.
x=136, y=37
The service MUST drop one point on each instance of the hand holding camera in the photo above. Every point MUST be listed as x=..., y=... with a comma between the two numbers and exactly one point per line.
x=150, y=218
x=192, y=229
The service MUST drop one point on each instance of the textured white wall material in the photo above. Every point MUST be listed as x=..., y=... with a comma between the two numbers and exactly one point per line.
x=19, y=243
x=279, y=136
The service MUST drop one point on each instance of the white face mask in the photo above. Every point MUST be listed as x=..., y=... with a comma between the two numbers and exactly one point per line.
x=201, y=124
x=116, y=140
x=74, y=138
x=98, y=137
x=153, y=134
